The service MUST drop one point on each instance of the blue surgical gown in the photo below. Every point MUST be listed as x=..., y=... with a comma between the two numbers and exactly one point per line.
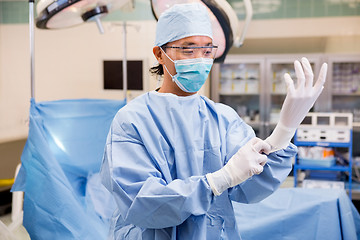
x=159, y=148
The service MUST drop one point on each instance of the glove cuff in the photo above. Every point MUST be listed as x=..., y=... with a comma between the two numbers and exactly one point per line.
x=219, y=181
x=280, y=137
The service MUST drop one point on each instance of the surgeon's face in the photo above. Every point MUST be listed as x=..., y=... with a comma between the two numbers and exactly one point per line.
x=178, y=53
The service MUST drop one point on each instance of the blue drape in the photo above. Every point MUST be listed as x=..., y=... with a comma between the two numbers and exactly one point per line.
x=299, y=213
x=64, y=147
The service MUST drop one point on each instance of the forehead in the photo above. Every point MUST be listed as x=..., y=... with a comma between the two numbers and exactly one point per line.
x=193, y=40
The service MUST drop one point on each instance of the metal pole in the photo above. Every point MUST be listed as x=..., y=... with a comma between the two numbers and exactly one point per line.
x=32, y=59
x=124, y=65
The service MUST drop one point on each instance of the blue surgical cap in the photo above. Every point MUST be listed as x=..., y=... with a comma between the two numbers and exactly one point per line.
x=183, y=20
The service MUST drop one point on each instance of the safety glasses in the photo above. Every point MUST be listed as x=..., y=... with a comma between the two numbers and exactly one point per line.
x=185, y=52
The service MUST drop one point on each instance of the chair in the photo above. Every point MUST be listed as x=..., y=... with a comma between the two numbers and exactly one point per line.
x=63, y=151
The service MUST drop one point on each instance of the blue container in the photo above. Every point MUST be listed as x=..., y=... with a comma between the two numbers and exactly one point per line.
x=326, y=162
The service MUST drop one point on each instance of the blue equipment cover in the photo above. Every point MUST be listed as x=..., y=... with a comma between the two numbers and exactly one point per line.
x=297, y=213
x=64, y=148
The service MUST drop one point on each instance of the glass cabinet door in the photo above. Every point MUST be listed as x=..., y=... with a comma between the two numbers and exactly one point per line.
x=278, y=90
x=239, y=86
x=345, y=85
x=276, y=68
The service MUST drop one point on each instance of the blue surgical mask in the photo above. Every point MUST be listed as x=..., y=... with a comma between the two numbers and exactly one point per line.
x=191, y=74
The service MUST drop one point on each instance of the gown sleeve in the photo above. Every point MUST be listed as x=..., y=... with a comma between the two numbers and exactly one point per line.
x=258, y=187
x=143, y=196
x=277, y=168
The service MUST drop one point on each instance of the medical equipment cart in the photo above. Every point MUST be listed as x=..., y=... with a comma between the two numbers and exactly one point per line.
x=330, y=130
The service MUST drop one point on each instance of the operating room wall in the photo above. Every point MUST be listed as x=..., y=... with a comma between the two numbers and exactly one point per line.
x=310, y=35
x=68, y=64
x=14, y=83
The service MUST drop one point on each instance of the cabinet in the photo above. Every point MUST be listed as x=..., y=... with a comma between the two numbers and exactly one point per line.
x=342, y=89
x=330, y=130
x=253, y=85
x=342, y=94
x=239, y=83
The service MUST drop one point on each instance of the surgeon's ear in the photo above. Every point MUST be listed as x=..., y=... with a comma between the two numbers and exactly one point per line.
x=158, y=54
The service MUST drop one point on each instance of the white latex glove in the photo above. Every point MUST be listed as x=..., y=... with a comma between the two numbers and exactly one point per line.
x=297, y=103
x=246, y=162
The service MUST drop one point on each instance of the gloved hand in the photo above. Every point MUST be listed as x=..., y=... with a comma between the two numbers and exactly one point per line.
x=297, y=103
x=245, y=163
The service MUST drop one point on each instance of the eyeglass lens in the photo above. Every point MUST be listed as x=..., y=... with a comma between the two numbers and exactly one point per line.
x=179, y=52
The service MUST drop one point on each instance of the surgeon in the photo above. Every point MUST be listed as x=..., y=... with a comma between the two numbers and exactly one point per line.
x=174, y=160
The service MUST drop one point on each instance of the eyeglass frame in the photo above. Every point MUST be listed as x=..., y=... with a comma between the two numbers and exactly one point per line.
x=191, y=47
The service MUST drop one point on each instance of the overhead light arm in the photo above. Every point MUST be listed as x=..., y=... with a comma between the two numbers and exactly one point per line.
x=249, y=13
x=95, y=15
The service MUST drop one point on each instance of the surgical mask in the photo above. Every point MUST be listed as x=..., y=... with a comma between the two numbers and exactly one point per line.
x=191, y=74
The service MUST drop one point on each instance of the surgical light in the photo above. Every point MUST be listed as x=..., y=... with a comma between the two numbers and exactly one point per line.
x=54, y=14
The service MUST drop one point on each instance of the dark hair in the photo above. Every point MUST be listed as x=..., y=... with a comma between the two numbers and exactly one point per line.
x=158, y=70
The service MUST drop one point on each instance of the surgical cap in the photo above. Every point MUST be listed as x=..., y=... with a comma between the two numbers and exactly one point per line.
x=183, y=20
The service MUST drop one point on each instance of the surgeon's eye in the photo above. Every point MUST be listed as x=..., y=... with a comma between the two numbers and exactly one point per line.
x=207, y=52
x=188, y=51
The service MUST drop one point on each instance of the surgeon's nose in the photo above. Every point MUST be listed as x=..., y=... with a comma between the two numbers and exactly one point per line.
x=199, y=53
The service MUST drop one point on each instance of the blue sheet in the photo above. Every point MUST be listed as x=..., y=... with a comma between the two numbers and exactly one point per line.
x=64, y=147
x=297, y=213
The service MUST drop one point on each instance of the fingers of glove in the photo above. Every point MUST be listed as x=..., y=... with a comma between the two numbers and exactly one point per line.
x=289, y=84
x=299, y=71
x=253, y=141
x=309, y=75
x=257, y=169
x=316, y=94
x=261, y=159
x=322, y=77
x=261, y=146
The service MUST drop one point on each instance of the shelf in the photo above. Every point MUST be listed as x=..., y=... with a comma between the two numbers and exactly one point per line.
x=332, y=168
x=323, y=144
x=347, y=94
x=337, y=168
